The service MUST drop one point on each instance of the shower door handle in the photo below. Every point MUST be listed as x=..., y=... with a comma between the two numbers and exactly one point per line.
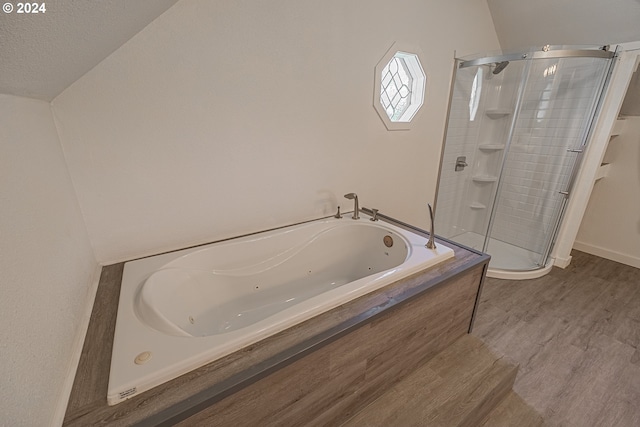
x=575, y=150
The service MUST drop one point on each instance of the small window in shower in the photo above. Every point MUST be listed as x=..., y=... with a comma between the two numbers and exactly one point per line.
x=399, y=87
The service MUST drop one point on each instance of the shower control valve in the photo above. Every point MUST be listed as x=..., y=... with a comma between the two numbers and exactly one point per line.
x=461, y=163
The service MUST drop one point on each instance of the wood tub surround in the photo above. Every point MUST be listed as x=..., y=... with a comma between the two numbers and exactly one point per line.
x=319, y=372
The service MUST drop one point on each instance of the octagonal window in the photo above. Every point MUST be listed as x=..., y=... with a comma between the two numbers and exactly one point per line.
x=395, y=92
x=400, y=88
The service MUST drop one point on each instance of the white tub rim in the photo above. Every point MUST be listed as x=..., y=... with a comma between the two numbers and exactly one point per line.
x=194, y=362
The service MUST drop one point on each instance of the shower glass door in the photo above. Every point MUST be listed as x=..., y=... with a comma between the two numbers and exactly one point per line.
x=481, y=117
x=516, y=130
x=549, y=135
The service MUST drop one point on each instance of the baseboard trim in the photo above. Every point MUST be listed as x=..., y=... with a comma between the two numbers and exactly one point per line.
x=562, y=262
x=607, y=253
x=78, y=344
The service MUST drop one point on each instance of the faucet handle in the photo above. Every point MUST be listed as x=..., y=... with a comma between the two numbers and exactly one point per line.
x=375, y=215
x=431, y=244
x=337, y=215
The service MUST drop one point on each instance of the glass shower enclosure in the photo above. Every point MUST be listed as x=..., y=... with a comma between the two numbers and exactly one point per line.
x=517, y=126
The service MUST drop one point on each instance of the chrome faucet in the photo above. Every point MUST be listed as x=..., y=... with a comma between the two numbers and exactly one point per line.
x=356, y=208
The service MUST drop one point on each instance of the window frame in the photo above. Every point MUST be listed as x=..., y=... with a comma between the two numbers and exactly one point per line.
x=411, y=56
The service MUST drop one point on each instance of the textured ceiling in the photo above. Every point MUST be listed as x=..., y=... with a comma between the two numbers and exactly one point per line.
x=42, y=54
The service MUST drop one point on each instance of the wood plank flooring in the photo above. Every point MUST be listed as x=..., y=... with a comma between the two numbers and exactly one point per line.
x=576, y=335
x=458, y=387
x=511, y=412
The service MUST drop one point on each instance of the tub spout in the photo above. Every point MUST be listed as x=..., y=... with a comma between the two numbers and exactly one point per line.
x=356, y=208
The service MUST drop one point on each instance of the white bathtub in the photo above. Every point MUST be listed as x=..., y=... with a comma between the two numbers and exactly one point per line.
x=181, y=310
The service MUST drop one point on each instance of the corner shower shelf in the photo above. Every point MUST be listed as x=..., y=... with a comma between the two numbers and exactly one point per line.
x=491, y=147
x=603, y=171
x=485, y=178
x=497, y=113
x=476, y=205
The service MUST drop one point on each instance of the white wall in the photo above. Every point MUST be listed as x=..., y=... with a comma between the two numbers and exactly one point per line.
x=611, y=224
x=524, y=23
x=46, y=262
x=631, y=103
x=222, y=118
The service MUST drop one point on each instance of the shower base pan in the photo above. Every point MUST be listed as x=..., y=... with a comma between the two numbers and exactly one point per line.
x=507, y=261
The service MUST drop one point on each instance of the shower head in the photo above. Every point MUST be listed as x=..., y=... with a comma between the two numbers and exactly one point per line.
x=500, y=66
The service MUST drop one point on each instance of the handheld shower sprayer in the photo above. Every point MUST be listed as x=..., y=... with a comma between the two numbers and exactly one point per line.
x=356, y=208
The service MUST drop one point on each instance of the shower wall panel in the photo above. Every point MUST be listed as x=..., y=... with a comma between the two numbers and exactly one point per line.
x=462, y=133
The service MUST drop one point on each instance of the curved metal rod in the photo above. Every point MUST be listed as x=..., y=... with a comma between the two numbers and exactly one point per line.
x=560, y=53
x=431, y=244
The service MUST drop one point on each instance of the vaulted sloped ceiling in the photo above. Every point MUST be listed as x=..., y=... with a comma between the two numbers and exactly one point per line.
x=42, y=54
x=526, y=23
